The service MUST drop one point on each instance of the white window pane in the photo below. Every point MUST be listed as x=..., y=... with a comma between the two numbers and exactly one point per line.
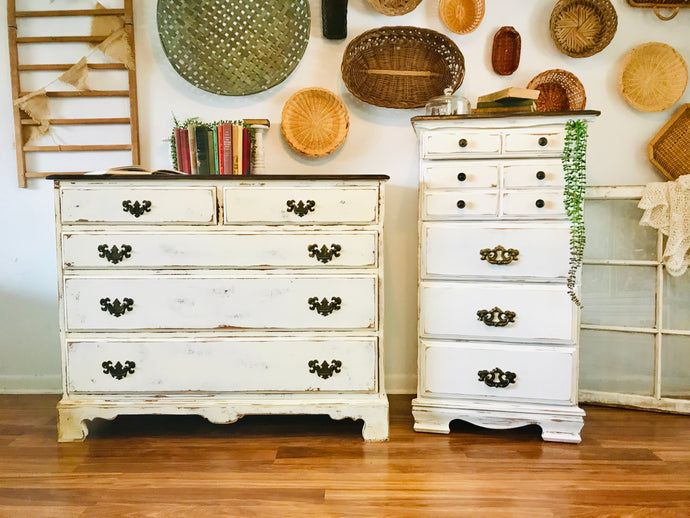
x=613, y=231
x=613, y=361
x=676, y=302
x=619, y=295
x=675, y=366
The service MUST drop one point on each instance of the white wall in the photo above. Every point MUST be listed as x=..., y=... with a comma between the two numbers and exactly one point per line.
x=381, y=140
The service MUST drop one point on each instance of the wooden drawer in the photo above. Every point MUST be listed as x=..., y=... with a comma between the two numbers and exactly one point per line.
x=538, y=173
x=542, y=140
x=459, y=204
x=300, y=205
x=541, y=373
x=460, y=174
x=207, y=301
x=534, y=203
x=141, y=249
x=460, y=142
x=531, y=251
x=541, y=312
x=138, y=205
x=222, y=365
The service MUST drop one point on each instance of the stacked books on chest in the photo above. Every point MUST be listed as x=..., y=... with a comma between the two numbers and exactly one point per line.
x=510, y=100
x=223, y=147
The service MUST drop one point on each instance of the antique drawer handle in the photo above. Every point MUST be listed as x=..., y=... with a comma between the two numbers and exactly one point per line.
x=462, y=177
x=114, y=255
x=301, y=208
x=543, y=141
x=324, y=370
x=539, y=203
x=136, y=209
x=497, y=378
x=324, y=254
x=462, y=142
x=461, y=204
x=117, y=308
x=118, y=370
x=498, y=255
x=541, y=175
x=324, y=307
x=496, y=317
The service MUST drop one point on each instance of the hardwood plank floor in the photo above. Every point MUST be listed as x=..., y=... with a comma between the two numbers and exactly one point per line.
x=630, y=463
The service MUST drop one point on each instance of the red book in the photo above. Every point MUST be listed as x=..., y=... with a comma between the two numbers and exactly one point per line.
x=184, y=151
x=220, y=148
x=246, y=151
x=178, y=150
x=227, y=148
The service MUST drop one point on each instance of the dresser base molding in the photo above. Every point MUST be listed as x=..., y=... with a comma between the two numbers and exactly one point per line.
x=558, y=424
x=73, y=414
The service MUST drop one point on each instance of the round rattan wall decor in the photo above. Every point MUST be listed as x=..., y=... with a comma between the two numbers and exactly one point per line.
x=461, y=16
x=653, y=77
x=314, y=122
x=234, y=47
x=582, y=28
x=394, y=7
x=559, y=91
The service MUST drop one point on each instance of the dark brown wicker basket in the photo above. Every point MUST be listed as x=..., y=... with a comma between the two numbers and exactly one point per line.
x=505, y=53
x=559, y=91
x=581, y=28
x=401, y=67
x=669, y=150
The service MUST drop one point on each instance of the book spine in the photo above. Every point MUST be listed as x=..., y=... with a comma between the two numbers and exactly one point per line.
x=191, y=131
x=216, y=167
x=210, y=145
x=236, y=149
x=219, y=143
x=227, y=148
x=184, y=142
x=246, y=151
x=202, y=156
x=178, y=149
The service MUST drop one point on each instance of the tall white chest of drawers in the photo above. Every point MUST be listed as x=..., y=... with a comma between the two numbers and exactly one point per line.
x=498, y=331
x=221, y=297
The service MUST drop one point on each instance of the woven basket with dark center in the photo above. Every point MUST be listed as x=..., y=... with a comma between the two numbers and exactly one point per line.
x=669, y=150
x=581, y=28
x=401, y=67
x=234, y=47
x=559, y=91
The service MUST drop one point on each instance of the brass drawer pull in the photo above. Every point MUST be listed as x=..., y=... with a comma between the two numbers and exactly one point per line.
x=117, y=308
x=324, y=370
x=301, y=208
x=114, y=255
x=496, y=317
x=118, y=370
x=324, y=307
x=136, y=209
x=324, y=254
x=499, y=255
x=497, y=378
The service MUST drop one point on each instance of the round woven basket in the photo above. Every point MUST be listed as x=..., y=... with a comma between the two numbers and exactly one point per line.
x=314, y=122
x=401, y=67
x=233, y=47
x=559, y=91
x=581, y=28
x=394, y=7
x=653, y=76
x=461, y=16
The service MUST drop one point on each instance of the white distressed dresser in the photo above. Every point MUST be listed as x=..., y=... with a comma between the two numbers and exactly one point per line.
x=221, y=297
x=498, y=331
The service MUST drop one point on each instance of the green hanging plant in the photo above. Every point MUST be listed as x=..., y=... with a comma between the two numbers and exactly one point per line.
x=574, y=166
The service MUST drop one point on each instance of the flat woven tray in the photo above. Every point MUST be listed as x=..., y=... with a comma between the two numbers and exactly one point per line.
x=234, y=47
x=581, y=28
x=669, y=150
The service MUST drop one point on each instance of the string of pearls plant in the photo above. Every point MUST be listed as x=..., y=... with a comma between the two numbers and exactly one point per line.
x=574, y=166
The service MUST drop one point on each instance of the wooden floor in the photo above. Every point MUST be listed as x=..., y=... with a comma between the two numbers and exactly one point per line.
x=630, y=463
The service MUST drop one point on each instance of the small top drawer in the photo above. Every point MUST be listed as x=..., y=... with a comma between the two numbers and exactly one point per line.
x=461, y=174
x=300, y=205
x=138, y=205
x=547, y=140
x=460, y=142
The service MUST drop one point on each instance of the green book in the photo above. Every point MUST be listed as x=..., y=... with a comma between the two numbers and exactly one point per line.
x=509, y=101
x=215, y=149
x=201, y=135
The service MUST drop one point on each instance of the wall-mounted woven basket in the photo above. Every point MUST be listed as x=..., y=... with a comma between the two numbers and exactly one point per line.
x=581, y=28
x=661, y=7
x=669, y=150
x=394, y=7
x=314, y=122
x=505, y=52
x=461, y=16
x=559, y=91
x=653, y=77
x=401, y=67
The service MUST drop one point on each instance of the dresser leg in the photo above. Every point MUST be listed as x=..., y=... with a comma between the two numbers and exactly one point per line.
x=431, y=420
x=71, y=425
x=375, y=425
x=560, y=430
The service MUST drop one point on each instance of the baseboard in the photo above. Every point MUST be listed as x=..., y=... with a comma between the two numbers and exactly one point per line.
x=48, y=384
x=401, y=383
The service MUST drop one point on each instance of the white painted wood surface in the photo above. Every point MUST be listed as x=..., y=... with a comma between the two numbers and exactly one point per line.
x=220, y=321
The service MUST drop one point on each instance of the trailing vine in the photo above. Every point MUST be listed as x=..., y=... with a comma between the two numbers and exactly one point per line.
x=574, y=166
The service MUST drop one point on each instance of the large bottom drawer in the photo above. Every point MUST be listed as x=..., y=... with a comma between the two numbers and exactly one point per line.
x=456, y=369
x=223, y=365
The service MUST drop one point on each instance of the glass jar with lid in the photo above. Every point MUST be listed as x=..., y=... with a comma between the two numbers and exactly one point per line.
x=448, y=104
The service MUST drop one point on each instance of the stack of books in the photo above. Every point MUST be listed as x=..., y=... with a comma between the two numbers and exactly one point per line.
x=509, y=100
x=213, y=148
